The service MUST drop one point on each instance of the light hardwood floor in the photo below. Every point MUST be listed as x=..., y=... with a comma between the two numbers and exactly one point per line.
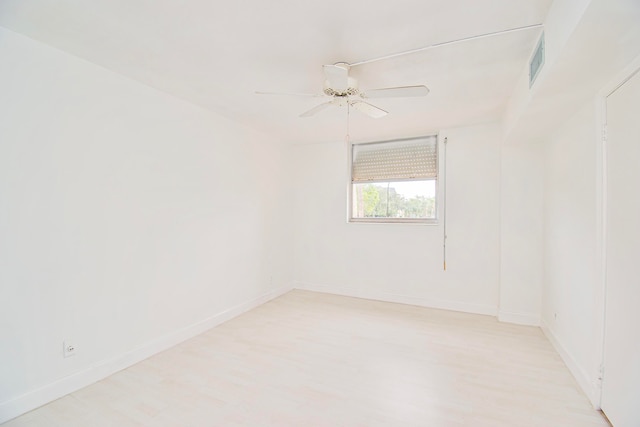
x=309, y=359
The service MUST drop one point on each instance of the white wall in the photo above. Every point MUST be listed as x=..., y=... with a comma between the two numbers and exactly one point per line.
x=571, y=309
x=401, y=262
x=129, y=220
x=588, y=42
x=562, y=19
x=521, y=201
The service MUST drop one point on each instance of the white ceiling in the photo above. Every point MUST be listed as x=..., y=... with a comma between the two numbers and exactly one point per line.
x=218, y=54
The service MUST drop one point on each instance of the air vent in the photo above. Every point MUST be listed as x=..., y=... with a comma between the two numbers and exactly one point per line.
x=537, y=61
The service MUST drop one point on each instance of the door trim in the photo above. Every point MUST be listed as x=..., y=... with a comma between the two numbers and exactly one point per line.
x=601, y=217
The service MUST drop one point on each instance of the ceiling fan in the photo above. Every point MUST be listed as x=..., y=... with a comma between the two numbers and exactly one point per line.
x=344, y=91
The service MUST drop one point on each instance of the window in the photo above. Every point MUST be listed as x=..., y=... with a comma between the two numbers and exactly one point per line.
x=394, y=181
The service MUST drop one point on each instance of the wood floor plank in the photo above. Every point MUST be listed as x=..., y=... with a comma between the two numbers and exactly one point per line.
x=311, y=359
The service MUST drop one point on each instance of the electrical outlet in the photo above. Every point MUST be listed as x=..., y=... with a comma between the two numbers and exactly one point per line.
x=68, y=349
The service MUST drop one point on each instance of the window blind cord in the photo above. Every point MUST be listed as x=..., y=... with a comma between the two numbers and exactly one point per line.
x=444, y=206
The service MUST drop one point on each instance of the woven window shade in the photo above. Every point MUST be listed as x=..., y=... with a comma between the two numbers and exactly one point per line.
x=412, y=159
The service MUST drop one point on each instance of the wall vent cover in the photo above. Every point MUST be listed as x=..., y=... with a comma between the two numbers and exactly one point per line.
x=537, y=61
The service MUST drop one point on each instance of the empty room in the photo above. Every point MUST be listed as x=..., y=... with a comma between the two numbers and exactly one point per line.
x=347, y=213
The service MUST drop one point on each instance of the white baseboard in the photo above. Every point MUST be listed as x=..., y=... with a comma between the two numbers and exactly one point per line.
x=519, y=318
x=588, y=386
x=402, y=299
x=35, y=398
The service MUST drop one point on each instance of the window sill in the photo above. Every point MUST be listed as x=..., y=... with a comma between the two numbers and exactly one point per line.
x=392, y=221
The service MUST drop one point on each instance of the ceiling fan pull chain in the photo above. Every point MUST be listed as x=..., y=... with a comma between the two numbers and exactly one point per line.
x=348, y=120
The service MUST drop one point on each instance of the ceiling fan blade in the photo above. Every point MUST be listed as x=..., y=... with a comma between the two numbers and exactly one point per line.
x=309, y=95
x=337, y=76
x=368, y=109
x=316, y=109
x=391, y=92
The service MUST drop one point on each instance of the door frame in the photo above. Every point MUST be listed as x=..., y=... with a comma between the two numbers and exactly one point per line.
x=601, y=217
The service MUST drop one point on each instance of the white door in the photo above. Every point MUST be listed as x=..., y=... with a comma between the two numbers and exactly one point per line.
x=621, y=380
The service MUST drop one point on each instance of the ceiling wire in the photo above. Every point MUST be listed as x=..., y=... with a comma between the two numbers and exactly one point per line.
x=481, y=36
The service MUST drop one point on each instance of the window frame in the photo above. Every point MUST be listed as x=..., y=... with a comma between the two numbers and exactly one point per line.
x=383, y=220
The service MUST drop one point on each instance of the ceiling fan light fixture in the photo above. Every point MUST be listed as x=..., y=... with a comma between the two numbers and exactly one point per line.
x=350, y=90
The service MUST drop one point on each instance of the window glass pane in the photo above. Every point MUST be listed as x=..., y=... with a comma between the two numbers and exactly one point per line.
x=399, y=199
